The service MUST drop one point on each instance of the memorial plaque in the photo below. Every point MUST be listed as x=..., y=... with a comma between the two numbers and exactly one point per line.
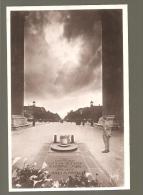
x=62, y=166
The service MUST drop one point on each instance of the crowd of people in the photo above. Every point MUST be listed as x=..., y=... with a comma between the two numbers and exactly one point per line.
x=31, y=177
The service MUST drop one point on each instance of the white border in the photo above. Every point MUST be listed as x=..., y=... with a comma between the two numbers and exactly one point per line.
x=124, y=8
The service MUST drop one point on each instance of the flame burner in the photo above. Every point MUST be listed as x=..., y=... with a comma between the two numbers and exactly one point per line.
x=65, y=144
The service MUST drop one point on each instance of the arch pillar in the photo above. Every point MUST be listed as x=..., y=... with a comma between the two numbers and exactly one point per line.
x=17, y=69
x=112, y=64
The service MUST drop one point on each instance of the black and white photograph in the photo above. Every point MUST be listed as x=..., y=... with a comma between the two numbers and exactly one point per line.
x=68, y=98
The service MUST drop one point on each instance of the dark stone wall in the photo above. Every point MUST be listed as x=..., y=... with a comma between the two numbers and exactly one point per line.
x=17, y=62
x=112, y=44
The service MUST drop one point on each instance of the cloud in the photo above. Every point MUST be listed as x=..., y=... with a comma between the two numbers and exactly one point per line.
x=62, y=54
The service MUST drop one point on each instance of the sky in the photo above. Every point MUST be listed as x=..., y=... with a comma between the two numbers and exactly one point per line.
x=63, y=59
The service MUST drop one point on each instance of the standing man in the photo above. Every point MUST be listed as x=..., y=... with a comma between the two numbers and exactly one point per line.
x=105, y=123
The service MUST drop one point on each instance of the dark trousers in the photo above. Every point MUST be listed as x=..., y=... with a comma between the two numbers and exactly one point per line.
x=106, y=141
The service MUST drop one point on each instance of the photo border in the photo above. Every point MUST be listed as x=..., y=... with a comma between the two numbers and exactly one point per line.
x=125, y=91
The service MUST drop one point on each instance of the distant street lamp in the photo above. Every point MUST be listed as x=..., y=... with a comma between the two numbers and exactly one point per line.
x=91, y=104
x=34, y=104
x=92, y=112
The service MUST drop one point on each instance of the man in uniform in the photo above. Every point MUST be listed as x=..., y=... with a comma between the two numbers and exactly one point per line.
x=105, y=123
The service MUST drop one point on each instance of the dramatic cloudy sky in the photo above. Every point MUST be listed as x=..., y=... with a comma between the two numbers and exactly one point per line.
x=63, y=59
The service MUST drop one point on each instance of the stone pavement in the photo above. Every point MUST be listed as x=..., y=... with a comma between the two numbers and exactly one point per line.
x=72, y=163
x=27, y=143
